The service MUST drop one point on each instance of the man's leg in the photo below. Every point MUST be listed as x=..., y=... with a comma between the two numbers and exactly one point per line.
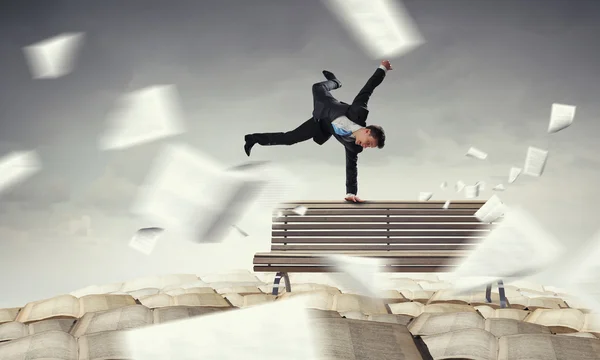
x=303, y=132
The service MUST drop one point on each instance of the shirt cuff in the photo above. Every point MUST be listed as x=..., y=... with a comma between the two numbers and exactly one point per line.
x=347, y=195
x=383, y=68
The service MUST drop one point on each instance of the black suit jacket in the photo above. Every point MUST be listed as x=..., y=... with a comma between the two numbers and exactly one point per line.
x=326, y=112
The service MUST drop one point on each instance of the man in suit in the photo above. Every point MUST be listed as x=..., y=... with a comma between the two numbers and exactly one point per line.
x=346, y=122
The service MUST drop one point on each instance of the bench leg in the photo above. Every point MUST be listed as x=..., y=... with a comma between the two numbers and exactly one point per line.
x=488, y=294
x=286, y=279
x=502, y=294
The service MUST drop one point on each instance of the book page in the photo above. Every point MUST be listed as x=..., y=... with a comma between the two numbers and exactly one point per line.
x=472, y=344
x=491, y=210
x=413, y=309
x=503, y=327
x=136, y=294
x=471, y=191
x=476, y=153
x=391, y=318
x=535, y=162
x=251, y=333
x=460, y=185
x=447, y=308
x=356, y=274
x=514, y=174
x=547, y=347
x=51, y=325
x=319, y=299
x=214, y=300
x=16, y=167
x=157, y=301
x=106, y=345
x=172, y=313
x=9, y=314
x=364, y=304
x=63, y=305
x=55, y=345
x=144, y=240
x=425, y=196
x=561, y=117
x=437, y=323
x=360, y=339
x=93, y=303
x=124, y=318
x=13, y=330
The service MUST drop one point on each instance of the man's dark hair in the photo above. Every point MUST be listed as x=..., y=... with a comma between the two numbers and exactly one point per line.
x=378, y=134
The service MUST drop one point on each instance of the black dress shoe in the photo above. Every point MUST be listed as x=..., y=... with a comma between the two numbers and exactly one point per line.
x=249, y=139
x=330, y=76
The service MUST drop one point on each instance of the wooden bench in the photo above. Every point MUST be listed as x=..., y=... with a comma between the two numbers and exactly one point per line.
x=408, y=236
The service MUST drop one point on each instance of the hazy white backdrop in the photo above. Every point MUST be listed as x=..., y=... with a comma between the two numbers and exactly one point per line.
x=486, y=77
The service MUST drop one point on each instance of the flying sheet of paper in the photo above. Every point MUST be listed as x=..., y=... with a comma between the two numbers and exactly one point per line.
x=300, y=210
x=535, y=162
x=491, y=210
x=356, y=273
x=476, y=153
x=514, y=174
x=499, y=187
x=446, y=204
x=249, y=333
x=383, y=27
x=242, y=232
x=460, y=185
x=425, y=196
x=187, y=191
x=54, y=57
x=17, y=167
x=145, y=239
x=471, y=191
x=561, y=117
x=143, y=116
x=480, y=185
x=443, y=185
x=516, y=246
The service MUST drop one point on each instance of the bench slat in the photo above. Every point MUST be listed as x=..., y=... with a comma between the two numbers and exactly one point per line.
x=374, y=205
x=360, y=227
x=282, y=233
x=376, y=240
x=377, y=254
x=358, y=211
x=363, y=247
x=378, y=219
x=423, y=260
x=328, y=269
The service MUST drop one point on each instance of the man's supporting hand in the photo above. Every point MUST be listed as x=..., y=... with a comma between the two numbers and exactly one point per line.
x=386, y=64
x=353, y=198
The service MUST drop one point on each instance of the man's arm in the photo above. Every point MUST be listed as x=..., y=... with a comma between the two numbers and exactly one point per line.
x=351, y=173
x=365, y=93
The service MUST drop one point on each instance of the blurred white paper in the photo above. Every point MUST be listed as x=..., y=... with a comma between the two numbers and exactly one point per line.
x=54, y=57
x=188, y=191
x=443, y=185
x=460, y=185
x=471, y=191
x=145, y=239
x=249, y=333
x=476, y=153
x=383, y=27
x=499, y=187
x=356, y=273
x=491, y=210
x=300, y=210
x=17, y=167
x=446, y=204
x=143, y=116
x=425, y=196
x=514, y=174
x=535, y=162
x=480, y=185
x=240, y=231
x=561, y=116
x=517, y=247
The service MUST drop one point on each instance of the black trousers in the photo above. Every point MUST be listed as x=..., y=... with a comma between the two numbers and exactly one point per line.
x=307, y=130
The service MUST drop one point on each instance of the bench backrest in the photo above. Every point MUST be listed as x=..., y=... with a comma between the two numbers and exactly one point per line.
x=341, y=227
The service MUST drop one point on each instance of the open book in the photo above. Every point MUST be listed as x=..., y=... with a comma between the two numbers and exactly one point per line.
x=57, y=345
x=566, y=320
x=193, y=299
x=504, y=327
x=438, y=323
x=472, y=298
x=415, y=308
x=547, y=347
x=524, y=302
x=127, y=317
x=172, y=313
x=467, y=344
x=489, y=312
x=9, y=314
x=359, y=339
x=71, y=307
x=245, y=300
x=15, y=330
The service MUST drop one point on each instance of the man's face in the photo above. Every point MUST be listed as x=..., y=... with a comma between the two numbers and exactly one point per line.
x=365, y=140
